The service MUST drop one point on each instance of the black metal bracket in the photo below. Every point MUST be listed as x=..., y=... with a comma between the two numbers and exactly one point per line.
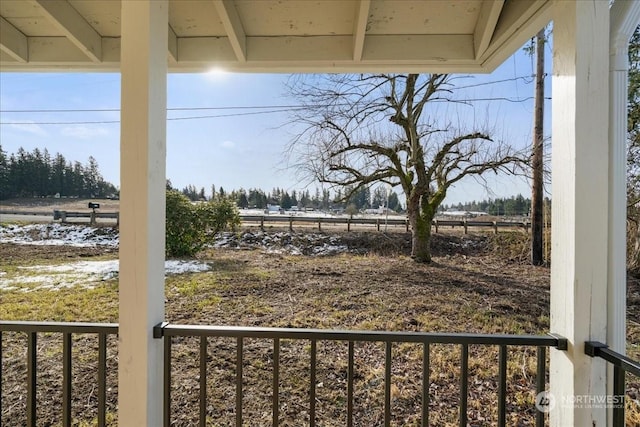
x=158, y=330
x=592, y=348
x=563, y=343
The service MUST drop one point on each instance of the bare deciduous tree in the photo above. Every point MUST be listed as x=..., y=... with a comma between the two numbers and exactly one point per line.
x=355, y=130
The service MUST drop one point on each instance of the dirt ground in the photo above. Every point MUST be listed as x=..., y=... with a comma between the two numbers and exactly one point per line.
x=477, y=283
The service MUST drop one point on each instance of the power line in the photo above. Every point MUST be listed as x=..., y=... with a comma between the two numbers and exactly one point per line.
x=116, y=110
x=168, y=119
x=262, y=107
x=282, y=110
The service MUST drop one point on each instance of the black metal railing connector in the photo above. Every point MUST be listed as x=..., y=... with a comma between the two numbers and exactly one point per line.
x=621, y=365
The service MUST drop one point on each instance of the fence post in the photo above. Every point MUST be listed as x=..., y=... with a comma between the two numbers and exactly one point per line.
x=436, y=224
x=348, y=224
x=262, y=223
x=117, y=219
x=495, y=227
x=290, y=223
x=378, y=223
x=92, y=219
x=406, y=221
x=464, y=223
x=319, y=224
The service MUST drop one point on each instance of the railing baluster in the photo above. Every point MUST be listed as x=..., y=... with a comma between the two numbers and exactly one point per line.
x=618, y=393
x=502, y=386
x=239, y=362
x=66, y=379
x=203, y=381
x=388, y=338
x=464, y=384
x=541, y=381
x=387, y=385
x=31, y=378
x=102, y=379
x=350, y=384
x=167, y=381
x=276, y=381
x=426, y=372
x=312, y=385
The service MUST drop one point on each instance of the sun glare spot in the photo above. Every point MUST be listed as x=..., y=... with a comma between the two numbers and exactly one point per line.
x=217, y=73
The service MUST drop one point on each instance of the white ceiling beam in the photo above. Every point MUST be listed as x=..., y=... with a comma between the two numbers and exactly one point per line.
x=173, y=44
x=519, y=21
x=13, y=42
x=74, y=27
x=438, y=48
x=486, y=25
x=360, y=28
x=233, y=26
x=329, y=52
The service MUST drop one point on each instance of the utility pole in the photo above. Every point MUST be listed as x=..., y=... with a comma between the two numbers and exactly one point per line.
x=537, y=158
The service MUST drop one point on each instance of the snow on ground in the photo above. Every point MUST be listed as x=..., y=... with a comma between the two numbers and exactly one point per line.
x=86, y=274
x=89, y=274
x=59, y=235
x=283, y=242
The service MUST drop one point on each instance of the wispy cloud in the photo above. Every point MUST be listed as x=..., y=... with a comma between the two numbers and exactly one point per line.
x=29, y=127
x=228, y=144
x=84, y=132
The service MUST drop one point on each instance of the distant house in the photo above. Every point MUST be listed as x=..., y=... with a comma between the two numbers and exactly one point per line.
x=273, y=209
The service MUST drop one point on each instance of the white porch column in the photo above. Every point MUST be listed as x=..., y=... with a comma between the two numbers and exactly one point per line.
x=625, y=17
x=579, y=210
x=142, y=210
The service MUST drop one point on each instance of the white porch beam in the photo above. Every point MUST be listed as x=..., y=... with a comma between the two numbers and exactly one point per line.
x=519, y=21
x=13, y=42
x=579, y=212
x=486, y=25
x=172, y=44
x=360, y=28
x=142, y=209
x=74, y=26
x=233, y=26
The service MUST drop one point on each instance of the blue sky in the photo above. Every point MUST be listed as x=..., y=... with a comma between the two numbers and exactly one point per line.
x=237, y=150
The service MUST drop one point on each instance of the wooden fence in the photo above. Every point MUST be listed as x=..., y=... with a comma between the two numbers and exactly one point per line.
x=290, y=221
x=378, y=223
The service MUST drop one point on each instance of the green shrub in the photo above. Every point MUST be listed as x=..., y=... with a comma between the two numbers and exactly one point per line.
x=218, y=215
x=188, y=226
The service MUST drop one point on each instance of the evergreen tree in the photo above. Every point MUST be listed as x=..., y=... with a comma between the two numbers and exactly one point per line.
x=285, y=200
x=4, y=175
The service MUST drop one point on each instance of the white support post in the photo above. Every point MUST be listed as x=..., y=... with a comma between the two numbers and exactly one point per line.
x=142, y=210
x=579, y=214
x=625, y=17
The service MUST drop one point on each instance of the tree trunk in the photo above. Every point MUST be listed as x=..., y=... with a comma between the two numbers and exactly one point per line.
x=420, y=221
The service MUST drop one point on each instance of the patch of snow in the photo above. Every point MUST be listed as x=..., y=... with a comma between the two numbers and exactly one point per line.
x=283, y=243
x=86, y=274
x=59, y=235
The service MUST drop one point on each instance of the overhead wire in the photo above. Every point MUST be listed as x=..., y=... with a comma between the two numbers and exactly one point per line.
x=270, y=109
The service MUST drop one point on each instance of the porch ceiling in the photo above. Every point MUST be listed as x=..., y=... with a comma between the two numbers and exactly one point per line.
x=277, y=35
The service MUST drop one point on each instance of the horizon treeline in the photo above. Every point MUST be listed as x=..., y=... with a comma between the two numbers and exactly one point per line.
x=324, y=199
x=38, y=174
x=508, y=206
